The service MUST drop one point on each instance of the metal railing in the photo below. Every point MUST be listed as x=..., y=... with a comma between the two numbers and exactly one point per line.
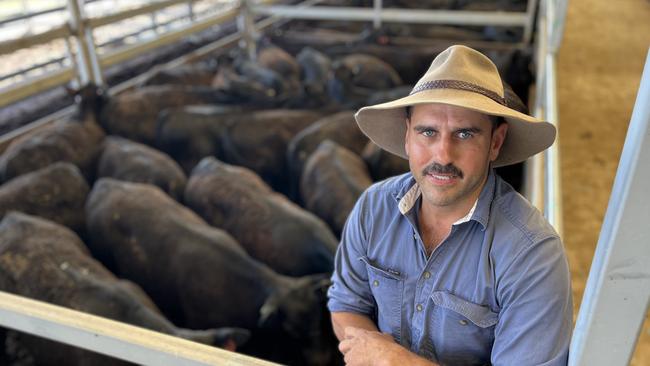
x=543, y=178
x=89, y=64
x=617, y=293
x=108, y=337
x=378, y=14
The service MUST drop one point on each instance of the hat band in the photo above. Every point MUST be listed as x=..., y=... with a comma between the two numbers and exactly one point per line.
x=459, y=85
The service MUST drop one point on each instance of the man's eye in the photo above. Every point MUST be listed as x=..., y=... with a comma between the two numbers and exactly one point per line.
x=427, y=133
x=464, y=135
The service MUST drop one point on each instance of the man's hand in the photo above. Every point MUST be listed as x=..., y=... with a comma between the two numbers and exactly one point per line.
x=369, y=348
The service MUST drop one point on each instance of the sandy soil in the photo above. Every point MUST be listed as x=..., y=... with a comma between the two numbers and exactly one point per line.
x=599, y=69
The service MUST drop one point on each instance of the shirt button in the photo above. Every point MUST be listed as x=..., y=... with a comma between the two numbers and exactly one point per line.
x=375, y=283
x=419, y=307
x=463, y=322
x=427, y=275
x=415, y=236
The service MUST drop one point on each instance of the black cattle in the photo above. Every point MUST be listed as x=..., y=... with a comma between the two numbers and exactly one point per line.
x=134, y=114
x=340, y=128
x=356, y=76
x=383, y=164
x=45, y=261
x=257, y=140
x=315, y=72
x=383, y=96
x=200, y=74
x=74, y=141
x=56, y=192
x=332, y=181
x=278, y=60
x=134, y=162
x=271, y=228
x=201, y=278
x=189, y=134
x=272, y=80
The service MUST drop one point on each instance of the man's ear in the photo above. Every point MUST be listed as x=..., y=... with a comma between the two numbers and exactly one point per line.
x=498, y=137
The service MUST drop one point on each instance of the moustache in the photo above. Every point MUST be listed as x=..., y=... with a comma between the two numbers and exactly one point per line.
x=435, y=168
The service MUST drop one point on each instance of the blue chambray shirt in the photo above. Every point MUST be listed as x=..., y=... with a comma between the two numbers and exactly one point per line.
x=495, y=291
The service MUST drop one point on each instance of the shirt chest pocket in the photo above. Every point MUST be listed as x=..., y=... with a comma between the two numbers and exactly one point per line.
x=462, y=332
x=387, y=288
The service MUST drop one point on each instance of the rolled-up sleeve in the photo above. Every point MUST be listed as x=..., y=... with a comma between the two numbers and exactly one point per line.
x=350, y=291
x=536, y=317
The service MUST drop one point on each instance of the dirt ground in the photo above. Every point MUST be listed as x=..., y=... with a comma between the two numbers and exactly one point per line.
x=599, y=69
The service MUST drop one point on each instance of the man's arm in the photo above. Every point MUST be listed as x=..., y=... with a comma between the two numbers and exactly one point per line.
x=535, y=321
x=370, y=348
x=350, y=298
x=342, y=320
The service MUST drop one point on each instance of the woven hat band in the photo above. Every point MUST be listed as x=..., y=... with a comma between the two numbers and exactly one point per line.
x=459, y=85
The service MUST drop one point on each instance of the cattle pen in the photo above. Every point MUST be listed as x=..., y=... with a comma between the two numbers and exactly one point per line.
x=618, y=278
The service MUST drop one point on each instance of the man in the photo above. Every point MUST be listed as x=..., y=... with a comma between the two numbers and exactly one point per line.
x=448, y=264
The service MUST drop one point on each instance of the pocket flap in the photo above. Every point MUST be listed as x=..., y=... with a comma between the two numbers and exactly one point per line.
x=480, y=315
x=388, y=273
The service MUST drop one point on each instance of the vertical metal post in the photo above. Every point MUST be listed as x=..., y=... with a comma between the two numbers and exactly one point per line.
x=618, y=288
x=535, y=170
x=557, y=24
x=246, y=25
x=75, y=83
x=154, y=22
x=376, y=22
x=530, y=14
x=190, y=10
x=89, y=69
x=553, y=204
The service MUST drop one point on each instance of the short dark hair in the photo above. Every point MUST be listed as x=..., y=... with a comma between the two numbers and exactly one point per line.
x=496, y=120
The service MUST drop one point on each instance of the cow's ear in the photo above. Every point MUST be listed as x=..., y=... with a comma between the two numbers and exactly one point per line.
x=269, y=313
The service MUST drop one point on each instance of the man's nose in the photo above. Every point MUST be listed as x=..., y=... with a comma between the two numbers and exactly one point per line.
x=445, y=151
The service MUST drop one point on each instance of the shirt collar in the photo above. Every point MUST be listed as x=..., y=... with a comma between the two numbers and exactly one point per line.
x=409, y=195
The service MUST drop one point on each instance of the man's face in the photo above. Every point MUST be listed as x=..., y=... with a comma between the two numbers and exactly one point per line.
x=449, y=150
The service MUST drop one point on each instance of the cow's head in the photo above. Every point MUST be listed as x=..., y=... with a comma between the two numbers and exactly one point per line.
x=300, y=313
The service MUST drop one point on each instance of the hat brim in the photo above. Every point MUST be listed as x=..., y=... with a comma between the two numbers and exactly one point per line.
x=385, y=123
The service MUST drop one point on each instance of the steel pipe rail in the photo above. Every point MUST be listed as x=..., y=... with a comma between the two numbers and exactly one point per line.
x=58, y=60
x=88, y=67
x=43, y=82
x=397, y=15
x=164, y=39
x=617, y=293
x=531, y=9
x=546, y=189
x=558, y=11
x=97, y=22
x=553, y=184
x=38, y=13
x=36, y=39
x=35, y=85
x=111, y=338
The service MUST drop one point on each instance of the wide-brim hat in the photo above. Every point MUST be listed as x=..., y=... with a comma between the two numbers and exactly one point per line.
x=463, y=77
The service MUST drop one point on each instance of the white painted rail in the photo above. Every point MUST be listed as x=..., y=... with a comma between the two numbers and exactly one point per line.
x=544, y=187
x=617, y=294
x=111, y=338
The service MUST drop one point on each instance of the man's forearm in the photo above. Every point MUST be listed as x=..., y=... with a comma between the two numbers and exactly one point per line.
x=341, y=320
x=362, y=347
